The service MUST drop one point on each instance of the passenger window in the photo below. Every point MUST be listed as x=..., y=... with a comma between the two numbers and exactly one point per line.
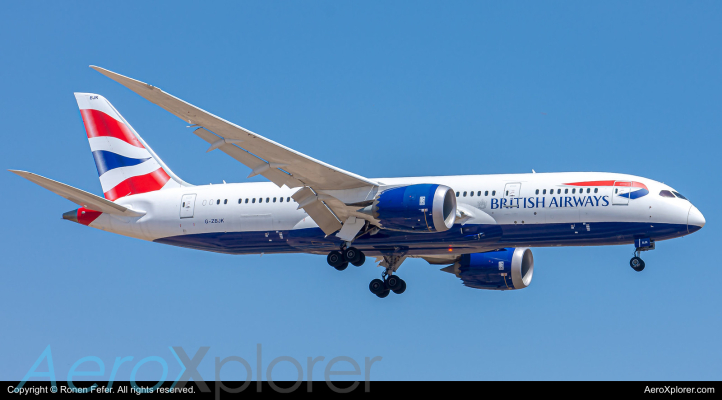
x=574, y=191
x=457, y=194
x=225, y=201
x=566, y=191
x=268, y=199
x=507, y=193
x=493, y=192
x=260, y=199
x=544, y=192
x=616, y=190
x=588, y=190
x=274, y=199
x=679, y=195
x=218, y=201
x=471, y=194
x=666, y=193
x=596, y=190
x=464, y=194
x=204, y=202
x=537, y=191
x=254, y=200
x=478, y=193
x=486, y=193
x=288, y=199
x=559, y=191
x=246, y=201
x=281, y=199
x=239, y=201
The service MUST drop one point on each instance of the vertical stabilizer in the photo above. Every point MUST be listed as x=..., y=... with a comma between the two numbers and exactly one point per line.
x=126, y=164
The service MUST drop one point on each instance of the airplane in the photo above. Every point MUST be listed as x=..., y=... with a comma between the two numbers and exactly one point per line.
x=481, y=228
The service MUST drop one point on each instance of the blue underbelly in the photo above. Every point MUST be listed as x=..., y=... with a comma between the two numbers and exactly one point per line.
x=466, y=239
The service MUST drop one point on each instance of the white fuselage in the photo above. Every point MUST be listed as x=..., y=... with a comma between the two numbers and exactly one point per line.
x=248, y=218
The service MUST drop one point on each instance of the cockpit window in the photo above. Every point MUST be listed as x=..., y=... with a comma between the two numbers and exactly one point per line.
x=679, y=195
x=666, y=193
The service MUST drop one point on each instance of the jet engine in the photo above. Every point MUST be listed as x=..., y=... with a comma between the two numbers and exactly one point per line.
x=415, y=208
x=505, y=269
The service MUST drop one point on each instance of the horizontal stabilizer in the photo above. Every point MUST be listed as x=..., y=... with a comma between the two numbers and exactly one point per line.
x=79, y=197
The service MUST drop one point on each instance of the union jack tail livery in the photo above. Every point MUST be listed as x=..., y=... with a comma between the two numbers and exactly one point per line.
x=126, y=164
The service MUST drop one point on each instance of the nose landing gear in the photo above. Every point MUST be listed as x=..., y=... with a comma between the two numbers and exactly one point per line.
x=640, y=245
x=636, y=263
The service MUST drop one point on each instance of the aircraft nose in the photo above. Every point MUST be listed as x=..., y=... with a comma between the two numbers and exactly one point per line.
x=695, y=220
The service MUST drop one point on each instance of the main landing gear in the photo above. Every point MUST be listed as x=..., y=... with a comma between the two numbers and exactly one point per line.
x=341, y=259
x=392, y=283
x=389, y=282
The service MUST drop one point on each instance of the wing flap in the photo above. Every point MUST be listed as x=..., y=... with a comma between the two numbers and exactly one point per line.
x=79, y=197
x=318, y=210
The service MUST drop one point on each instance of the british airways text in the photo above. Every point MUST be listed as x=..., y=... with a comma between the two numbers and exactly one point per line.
x=555, y=202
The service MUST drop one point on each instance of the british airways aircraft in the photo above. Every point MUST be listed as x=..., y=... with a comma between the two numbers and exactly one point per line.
x=480, y=227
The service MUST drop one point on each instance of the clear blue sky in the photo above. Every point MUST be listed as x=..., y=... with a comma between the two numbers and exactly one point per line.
x=380, y=89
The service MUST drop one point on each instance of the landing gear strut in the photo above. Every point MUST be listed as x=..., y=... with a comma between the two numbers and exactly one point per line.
x=341, y=259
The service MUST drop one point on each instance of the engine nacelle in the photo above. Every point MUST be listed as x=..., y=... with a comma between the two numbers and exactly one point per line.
x=415, y=208
x=506, y=269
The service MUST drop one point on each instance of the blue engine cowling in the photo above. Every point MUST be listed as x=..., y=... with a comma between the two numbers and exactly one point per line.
x=415, y=208
x=505, y=269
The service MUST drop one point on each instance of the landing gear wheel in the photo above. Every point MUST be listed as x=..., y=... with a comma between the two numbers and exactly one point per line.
x=361, y=260
x=352, y=255
x=342, y=266
x=393, y=282
x=401, y=288
x=383, y=294
x=637, y=264
x=335, y=259
x=377, y=286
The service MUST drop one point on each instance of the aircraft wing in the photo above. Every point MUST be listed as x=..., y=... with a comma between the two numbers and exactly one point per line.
x=278, y=163
x=79, y=197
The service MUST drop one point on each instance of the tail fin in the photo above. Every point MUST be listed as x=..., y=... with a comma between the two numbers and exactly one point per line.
x=126, y=164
